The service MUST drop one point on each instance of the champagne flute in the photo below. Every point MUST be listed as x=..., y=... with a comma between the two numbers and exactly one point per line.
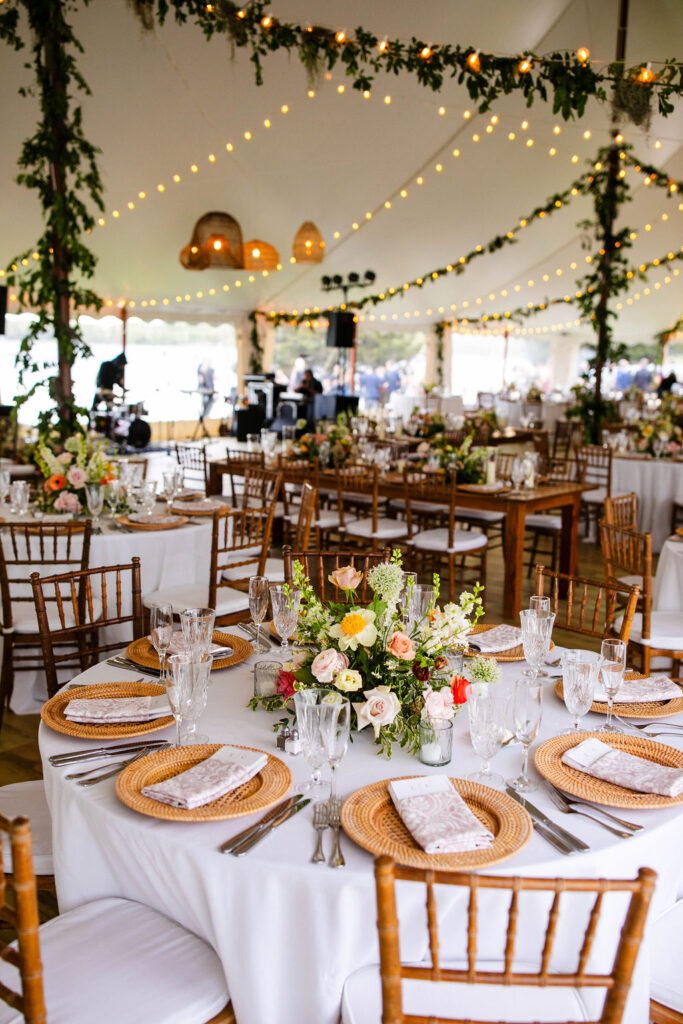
x=258, y=606
x=112, y=496
x=579, y=675
x=285, y=601
x=612, y=666
x=94, y=496
x=486, y=710
x=526, y=719
x=537, y=631
x=197, y=626
x=308, y=718
x=161, y=623
x=335, y=725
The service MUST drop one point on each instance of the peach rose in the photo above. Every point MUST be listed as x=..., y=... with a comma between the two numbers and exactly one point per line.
x=326, y=665
x=401, y=646
x=345, y=577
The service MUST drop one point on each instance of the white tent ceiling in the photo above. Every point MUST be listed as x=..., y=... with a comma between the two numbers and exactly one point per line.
x=165, y=100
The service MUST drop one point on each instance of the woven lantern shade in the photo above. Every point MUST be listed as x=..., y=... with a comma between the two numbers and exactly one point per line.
x=308, y=245
x=259, y=255
x=216, y=242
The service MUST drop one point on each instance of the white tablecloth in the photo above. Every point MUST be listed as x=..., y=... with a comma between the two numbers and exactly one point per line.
x=658, y=483
x=667, y=589
x=288, y=932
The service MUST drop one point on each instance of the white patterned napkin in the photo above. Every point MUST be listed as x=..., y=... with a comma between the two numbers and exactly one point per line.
x=436, y=816
x=642, y=691
x=596, y=758
x=107, y=710
x=219, y=774
x=498, y=639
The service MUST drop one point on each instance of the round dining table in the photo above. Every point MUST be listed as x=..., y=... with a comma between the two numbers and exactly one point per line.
x=667, y=589
x=289, y=932
x=658, y=484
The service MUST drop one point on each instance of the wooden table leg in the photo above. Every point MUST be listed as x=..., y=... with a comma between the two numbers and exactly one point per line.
x=515, y=517
x=569, y=544
x=214, y=484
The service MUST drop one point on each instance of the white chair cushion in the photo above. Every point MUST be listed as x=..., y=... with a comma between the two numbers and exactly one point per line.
x=357, y=498
x=274, y=570
x=425, y=507
x=196, y=595
x=482, y=515
x=327, y=520
x=119, y=962
x=595, y=497
x=387, y=529
x=28, y=800
x=632, y=581
x=536, y=521
x=362, y=999
x=666, y=630
x=25, y=620
x=437, y=540
x=666, y=958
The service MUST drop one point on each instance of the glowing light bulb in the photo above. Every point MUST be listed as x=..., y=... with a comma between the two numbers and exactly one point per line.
x=194, y=168
x=142, y=195
x=267, y=21
x=474, y=63
x=387, y=100
x=340, y=36
x=524, y=66
x=583, y=53
x=426, y=52
x=160, y=188
x=341, y=89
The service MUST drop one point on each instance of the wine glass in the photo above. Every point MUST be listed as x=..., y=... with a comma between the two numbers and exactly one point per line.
x=161, y=623
x=517, y=474
x=487, y=713
x=94, y=495
x=187, y=689
x=197, y=626
x=526, y=719
x=335, y=725
x=421, y=599
x=612, y=666
x=4, y=485
x=170, y=486
x=579, y=675
x=19, y=497
x=285, y=601
x=308, y=719
x=258, y=606
x=538, y=604
x=112, y=496
x=537, y=631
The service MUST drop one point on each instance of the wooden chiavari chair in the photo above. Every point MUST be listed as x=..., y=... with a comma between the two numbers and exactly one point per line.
x=567, y=435
x=541, y=443
x=319, y=565
x=654, y=634
x=192, y=459
x=590, y=606
x=274, y=568
x=374, y=528
x=549, y=524
x=596, y=460
x=666, y=982
x=75, y=608
x=237, y=462
x=622, y=511
x=24, y=549
x=114, y=938
x=261, y=487
x=457, y=985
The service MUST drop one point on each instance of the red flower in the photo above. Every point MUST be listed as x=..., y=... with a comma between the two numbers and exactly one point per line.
x=459, y=686
x=285, y=684
x=420, y=672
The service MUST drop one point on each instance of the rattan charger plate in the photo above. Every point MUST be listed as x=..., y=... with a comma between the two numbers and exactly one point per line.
x=200, y=507
x=513, y=654
x=142, y=652
x=258, y=794
x=52, y=712
x=371, y=820
x=646, y=709
x=135, y=524
x=548, y=761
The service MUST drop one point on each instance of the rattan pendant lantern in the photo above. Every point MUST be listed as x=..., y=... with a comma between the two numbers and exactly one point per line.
x=308, y=246
x=216, y=242
x=260, y=255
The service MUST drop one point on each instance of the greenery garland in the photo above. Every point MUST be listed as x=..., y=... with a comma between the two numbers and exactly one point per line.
x=664, y=336
x=256, y=348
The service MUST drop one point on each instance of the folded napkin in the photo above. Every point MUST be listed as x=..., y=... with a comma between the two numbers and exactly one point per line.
x=201, y=504
x=500, y=638
x=178, y=646
x=436, y=816
x=642, y=691
x=224, y=771
x=103, y=710
x=155, y=519
x=596, y=758
x=58, y=517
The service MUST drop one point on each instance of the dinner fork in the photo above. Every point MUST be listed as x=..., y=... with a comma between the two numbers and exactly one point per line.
x=565, y=806
x=646, y=725
x=663, y=728
x=321, y=821
x=334, y=817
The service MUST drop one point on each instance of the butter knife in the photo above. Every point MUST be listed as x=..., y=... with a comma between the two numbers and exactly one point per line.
x=576, y=844
x=247, y=833
x=249, y=844
x=551, y=838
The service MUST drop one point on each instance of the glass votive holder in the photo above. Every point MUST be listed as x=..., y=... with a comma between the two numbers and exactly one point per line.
x=436, y=741
x=265, y=677
x=456, y=662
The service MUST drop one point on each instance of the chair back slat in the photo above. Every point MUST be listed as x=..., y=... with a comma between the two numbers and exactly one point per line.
x=433, y=926
x=261, y=487
x=550, y=932
x=622, y=511
x=307, y=510
x=472, y=928
x=192, y=459
x=589, y=935
x=319, y=565
x=240, y=540
x=628, y=553
x=237, y=464
x=23, y=919
x=589, y=606
x=597, y=462
x=45, y=548
x=511, y=931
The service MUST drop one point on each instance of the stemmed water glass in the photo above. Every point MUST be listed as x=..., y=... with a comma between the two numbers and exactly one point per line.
x=197, y=626
x=404, y=601
x=335, y=725
x=258, y=606
x=112, y=496
x=537, y=629
x=94, y=495
x=539, y=605
x=487, y=712
x=308, y=720
x=612, y=666
x=421, y=598
x=161, y=623
x=187, y=689
x=171, y=486
x=285, y=601
x=517, y=474
x=526, y=719
x=4, y=485
x=579, y=676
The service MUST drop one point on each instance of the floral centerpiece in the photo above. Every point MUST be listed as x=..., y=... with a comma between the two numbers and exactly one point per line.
x=308, y=447
x=425, y=424
x=393, y=675
x=534, y=394
x=469, y=463
x=663, y=433
x=83, y=461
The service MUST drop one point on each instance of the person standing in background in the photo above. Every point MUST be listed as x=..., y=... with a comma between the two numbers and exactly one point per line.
x=206, y=384
x=297, y=374
x=643, y=376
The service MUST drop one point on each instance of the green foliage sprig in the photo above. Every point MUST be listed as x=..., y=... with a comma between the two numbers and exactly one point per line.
x=256, y=348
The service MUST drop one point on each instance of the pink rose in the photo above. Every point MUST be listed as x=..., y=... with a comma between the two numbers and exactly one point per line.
x=345, y=577
x=326, y=665
x=67, y=502
x=76, y=476
x=285, y=684
x=65, y=458
x=439, y=703
x=401, y=646
x=298, y=659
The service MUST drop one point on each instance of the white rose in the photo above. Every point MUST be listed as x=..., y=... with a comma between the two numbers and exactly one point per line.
x=380, y=708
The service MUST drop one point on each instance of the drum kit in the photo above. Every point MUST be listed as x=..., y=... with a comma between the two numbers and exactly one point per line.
x=121, y=421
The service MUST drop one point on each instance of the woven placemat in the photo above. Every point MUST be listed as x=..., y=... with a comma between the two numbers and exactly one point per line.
x=135, y=524
x=371, y=820
x=142, y=652
x=261, y=792
x=548, y=761
x=647, y=709
x=52, y=712
x=513, y=654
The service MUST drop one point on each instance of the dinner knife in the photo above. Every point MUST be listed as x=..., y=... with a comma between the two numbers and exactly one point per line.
x=249, y=844
x=551, y=838
x=577, y=844
x=121, y=662
x=247, y=833
x=118, y=767
x=57, y=760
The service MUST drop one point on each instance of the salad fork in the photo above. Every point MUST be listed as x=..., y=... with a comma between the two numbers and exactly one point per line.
x=566, y=807
x=334, y=817
x=321, y=821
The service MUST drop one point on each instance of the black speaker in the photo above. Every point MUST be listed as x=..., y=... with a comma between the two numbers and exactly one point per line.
x=341, y=330
x=3, y=307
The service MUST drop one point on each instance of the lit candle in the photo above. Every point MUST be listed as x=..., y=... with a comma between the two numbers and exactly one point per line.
x=430, y=753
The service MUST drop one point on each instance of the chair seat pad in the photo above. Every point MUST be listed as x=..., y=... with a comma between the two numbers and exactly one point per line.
x=537, y=521
x=632, y=581
x=594, y=497
x=27, y=799
x=326, y=520
x=358, y=498
x=196, y=595
x=666, y=958
x=424, y=507
x=117, y=961
x=666, y=630
x=437, y=540
x=25, y=620
x=274, y=570
x=387, y=529
x=362, y=999
x=481, y=515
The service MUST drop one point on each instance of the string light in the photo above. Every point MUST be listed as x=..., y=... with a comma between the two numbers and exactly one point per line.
x=474, y=63
x=583, y=53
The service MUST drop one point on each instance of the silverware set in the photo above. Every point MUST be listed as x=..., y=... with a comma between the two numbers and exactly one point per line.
x=557, y=836
x=276, y=816
x=326, y=814
x=120, y=661
x=92, y=776
x=250, y=629
x=663, y=727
